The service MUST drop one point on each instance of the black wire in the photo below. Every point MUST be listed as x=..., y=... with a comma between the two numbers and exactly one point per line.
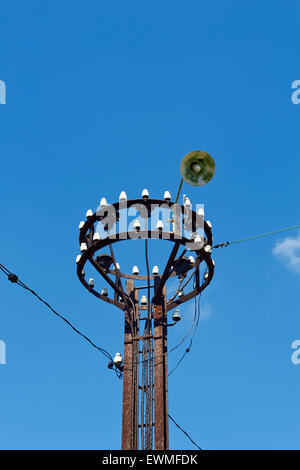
x=197, y=315
x=274, y=232
x=179, y=362
x=14, y=279
x=184, y=432
x=181, y=286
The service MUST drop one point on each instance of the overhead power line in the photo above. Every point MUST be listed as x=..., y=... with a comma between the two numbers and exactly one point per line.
x=220, y=245
x=15, y=279
x=179, y=427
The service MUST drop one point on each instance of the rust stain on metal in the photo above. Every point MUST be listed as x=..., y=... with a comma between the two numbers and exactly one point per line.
x=127, y=416
x=161, y=428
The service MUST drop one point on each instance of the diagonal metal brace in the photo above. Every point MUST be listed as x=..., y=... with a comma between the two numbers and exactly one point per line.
x=107, y=278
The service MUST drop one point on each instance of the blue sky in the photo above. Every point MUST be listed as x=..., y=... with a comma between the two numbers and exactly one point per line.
x=109, y=96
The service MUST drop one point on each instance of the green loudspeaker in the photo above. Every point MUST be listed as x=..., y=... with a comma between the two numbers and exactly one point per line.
x=197, y=168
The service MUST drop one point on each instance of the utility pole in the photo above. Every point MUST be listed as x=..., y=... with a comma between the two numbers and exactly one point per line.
x=161, y=434
x=144, y=366
x=153, y=386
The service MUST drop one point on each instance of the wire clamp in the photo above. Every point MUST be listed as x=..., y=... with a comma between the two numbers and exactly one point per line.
x=220, y=245
x=13, y=278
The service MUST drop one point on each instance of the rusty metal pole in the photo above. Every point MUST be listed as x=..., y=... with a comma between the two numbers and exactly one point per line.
x=128, y=411
x=130, y=376
x=161, y=423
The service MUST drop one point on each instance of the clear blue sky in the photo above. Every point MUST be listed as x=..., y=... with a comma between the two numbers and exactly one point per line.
x=109, y=96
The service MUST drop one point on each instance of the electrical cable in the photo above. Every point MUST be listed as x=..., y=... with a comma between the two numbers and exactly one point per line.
x=196, y=315
x=220, y=245
x=181, y=287
x=14, y=279
x=179, y=427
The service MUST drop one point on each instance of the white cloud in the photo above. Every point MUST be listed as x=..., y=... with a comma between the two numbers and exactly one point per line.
x=288, y=250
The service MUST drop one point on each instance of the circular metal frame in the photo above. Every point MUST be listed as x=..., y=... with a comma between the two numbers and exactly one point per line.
x=86, y=236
